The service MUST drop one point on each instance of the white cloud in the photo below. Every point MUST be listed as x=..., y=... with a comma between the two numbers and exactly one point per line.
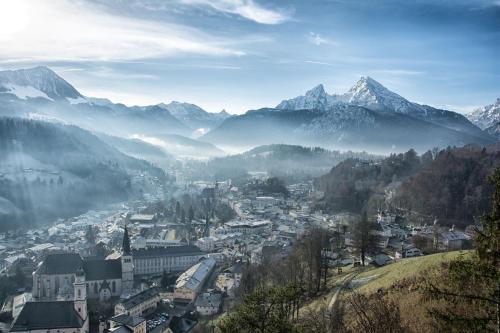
x=244, y=8
x=318, y=63
x=317, y=40
x=65, y=30
x=109, y=73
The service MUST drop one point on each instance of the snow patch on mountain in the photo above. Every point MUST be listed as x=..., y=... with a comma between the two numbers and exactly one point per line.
x=78, y=100
x=46, y=118
x=23, y=92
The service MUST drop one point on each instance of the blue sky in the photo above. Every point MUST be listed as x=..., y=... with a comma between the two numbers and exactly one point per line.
x=245, y=54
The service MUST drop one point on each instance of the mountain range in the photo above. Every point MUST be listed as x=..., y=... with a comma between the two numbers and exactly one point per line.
x=371, y=94
x=39, y=93
x=368, y=116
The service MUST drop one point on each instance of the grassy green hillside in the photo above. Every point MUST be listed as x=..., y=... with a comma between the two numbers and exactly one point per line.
x=400, y=282
x=372, y=279
x=403, y=283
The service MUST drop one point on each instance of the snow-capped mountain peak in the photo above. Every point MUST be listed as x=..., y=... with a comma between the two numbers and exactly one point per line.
x=316, y=98
x=367, y=86
x=366, y=92
x=486, y=116
x=317, y=92
x=36, y=82
x=370, y=93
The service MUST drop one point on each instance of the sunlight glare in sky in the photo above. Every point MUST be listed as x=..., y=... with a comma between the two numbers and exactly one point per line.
x=14, y=16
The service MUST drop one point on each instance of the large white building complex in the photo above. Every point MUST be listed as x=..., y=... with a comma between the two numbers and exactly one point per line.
x=170, y=259
x=190, y=283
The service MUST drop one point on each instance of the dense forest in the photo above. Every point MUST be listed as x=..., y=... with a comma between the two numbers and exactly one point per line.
x=445, y=184
x=270, y=186
x=280, y=160
x=49, y=171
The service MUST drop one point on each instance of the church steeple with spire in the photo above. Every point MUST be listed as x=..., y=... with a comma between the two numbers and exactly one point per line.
x=126, y=243
x=127, y=264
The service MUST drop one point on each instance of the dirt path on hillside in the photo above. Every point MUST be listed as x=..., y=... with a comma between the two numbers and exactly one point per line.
x=345, y=282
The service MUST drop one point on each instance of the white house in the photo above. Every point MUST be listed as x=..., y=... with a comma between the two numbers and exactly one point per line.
x=408, y=253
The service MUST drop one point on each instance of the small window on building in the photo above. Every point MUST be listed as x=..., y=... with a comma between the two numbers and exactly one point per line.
x=56, y=289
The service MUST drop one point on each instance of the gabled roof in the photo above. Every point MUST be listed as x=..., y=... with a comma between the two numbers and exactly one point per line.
x=181, y=324
x=237, y=268
x=140, y=297
x=68, y=263
x=102, y=269
x=47, y=315
x=455, y=235
x=207, y=299
x=60, y=263
x=196, y=275
x=124, y=319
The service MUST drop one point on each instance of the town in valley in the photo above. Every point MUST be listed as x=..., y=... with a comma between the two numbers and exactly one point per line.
x=249, y=166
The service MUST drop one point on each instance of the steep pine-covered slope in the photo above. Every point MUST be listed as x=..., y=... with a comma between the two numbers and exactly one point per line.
x=450, y=185
x=49, y=171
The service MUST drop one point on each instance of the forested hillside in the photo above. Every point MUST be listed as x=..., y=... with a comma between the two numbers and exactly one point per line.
x=286, y=161
x=448, y=185
x=49, y=171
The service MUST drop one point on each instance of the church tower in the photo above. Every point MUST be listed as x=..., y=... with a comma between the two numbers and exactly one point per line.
x=127, y=264
x=80, y=298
